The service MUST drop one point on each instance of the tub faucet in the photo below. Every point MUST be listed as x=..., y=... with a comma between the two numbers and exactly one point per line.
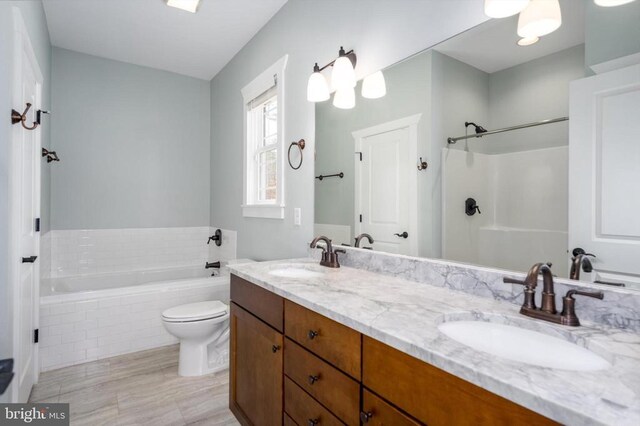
x=547, y=311
x=580, y=261
x=361, y=236
x=329, y=255
x=215, y=265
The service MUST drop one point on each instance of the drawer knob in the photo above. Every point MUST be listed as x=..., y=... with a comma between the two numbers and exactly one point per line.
x=313, y=379
x=312, y=334
x=313, y=422
x=365, y=416
x=275, y=348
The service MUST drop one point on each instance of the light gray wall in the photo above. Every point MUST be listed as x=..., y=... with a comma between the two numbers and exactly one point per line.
x=134, y=145
x=611, y=32
x=33, y=15
x=381, y=32
x=533, y=91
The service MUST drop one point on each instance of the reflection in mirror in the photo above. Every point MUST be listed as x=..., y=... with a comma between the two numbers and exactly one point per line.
x=491, y=120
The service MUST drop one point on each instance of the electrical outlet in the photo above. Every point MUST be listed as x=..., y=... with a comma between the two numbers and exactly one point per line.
x=297, y=216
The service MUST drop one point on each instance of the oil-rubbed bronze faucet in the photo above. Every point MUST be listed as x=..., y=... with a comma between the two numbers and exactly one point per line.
x=361, y=236
x=580, y=261
x=329, y=255
x=547, y=311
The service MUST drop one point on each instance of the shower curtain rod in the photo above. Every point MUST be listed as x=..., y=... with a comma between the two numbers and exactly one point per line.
x=506, y=129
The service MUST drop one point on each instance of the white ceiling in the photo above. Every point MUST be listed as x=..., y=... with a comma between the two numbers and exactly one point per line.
x=149, y=33
x=492, y=46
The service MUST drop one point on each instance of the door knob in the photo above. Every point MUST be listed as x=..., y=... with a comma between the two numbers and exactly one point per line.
x=578, y=251
x=29, y=259
x=405, y=234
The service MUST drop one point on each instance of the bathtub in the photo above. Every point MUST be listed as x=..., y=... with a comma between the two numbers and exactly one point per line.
x=85, y=318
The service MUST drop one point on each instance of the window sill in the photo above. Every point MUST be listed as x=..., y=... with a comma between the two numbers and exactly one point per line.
x=263, y=211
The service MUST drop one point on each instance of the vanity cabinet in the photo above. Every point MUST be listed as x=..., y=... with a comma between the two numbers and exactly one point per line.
x=256, y=355
x=293, y=366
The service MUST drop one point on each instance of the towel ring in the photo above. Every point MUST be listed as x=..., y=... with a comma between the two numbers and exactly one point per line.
x=300, y=144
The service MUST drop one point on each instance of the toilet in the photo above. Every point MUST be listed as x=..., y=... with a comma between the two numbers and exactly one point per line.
x=203, y=330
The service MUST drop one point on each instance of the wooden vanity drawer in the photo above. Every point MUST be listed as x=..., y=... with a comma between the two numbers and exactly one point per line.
x=288, y=421
x=334, y=342
x=303, y=409
x=377, y=412
x=267, y=306
x=332, y=388
x=434, y=396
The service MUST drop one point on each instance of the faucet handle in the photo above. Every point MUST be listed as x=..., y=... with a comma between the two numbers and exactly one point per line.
x=508, y=280
x=568, y=315
x=529, y=292
x=343, y=251
x=594, y=294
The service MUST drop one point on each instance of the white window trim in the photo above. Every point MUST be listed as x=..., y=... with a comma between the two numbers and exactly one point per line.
x=258, y=86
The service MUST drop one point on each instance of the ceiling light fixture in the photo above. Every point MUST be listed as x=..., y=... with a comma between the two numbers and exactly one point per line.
x=539, y=18
x=611, y=3
x=374, y=86
x=504, y=8
x=528, y=41
x=188, y=5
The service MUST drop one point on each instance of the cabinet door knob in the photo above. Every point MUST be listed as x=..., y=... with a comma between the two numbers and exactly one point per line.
x=275, y=348
x=313, y=379
x=365, y=416
x=312, y=334
x=313, y=422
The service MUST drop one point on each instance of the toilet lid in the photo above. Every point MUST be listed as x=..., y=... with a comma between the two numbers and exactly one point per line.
x=196, y=311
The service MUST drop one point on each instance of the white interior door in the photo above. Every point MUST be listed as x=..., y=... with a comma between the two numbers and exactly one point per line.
x=604, y=172
x=25, y=200
x=385, y=186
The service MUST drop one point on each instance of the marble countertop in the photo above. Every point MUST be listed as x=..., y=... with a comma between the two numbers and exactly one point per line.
x=405, y=315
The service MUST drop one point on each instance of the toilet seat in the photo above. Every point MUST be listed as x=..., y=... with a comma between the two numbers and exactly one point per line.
x=193, y=312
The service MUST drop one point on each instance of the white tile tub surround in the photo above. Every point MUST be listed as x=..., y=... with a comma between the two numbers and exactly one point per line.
x=92, y=251
x=96, y=325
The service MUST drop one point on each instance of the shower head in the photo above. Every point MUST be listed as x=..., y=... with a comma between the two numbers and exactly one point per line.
x=479, y=129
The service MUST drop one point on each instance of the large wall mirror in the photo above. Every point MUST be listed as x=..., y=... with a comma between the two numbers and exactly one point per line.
x=505, y=199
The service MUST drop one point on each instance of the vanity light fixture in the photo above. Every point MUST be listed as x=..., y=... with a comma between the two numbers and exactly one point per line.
x=611, y=3
x=345, y=98
x=317, y=87
x=528, y=41
x=374, y=86
x=343, y=75
x=188, y=5
x=539, y=18
x=343, y=81
x=504, y=8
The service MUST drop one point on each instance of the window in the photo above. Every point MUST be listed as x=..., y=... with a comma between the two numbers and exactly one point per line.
x=263, y=144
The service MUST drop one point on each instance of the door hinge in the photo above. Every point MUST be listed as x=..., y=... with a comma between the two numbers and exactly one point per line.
x=360, y=218
x=36, y=335
x=37, y=224
x=360, y=154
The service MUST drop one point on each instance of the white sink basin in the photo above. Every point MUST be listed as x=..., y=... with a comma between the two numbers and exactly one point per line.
x=295, y=273
x=522, y=345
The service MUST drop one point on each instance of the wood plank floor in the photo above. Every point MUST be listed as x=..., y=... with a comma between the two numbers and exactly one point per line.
x=142, y=388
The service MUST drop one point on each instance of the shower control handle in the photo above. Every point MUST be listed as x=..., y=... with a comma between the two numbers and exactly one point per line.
x=405, y=235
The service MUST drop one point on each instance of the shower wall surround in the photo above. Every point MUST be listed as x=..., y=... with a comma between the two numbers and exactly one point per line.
x=620, y=307
x=93, y=251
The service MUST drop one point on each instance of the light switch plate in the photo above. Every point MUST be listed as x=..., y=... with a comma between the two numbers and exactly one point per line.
x=297, y=216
